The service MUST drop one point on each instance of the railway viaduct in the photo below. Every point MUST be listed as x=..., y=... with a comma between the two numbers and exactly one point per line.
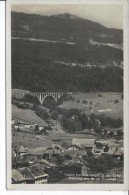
x=42, y=95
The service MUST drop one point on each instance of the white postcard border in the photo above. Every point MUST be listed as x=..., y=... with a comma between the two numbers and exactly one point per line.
x=72, y=187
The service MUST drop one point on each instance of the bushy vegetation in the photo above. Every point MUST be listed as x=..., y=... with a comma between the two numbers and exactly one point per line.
x=50, y=103
x=41, y=112
x=103, y=164
x=37, y=72
x=81, y=121
x=54, y=115
x=110, y=122
x=30, y=99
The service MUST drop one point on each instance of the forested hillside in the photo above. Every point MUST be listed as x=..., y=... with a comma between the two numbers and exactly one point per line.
x=55, y=54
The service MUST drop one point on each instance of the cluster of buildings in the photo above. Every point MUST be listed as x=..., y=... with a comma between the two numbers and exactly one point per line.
x=23, y=125
x=48, y=164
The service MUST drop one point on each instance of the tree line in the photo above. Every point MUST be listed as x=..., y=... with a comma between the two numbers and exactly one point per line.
x=34, y=68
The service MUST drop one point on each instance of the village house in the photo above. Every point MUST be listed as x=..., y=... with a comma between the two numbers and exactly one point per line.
x=50, y=152
x=115, y=152
x=108, y=142
x=99, y=148
x=30, y=159
x=38, y=152
x=46, y=163
x=18, y=178
x=43, y=165
x=58, y=147
x=18, y=126
x=29, y=126
x=14, y=153
x=34, y=175
x=75, y=146
x=46, y=153
x=21, y=150
x=41, y=128
x=85, y=144
x=13, y=122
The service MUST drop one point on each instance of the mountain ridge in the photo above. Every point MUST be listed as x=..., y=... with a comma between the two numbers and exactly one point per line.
x=62, y=26
x=65, y=15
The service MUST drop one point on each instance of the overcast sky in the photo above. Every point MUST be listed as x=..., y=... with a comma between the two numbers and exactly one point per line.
x=107, y=14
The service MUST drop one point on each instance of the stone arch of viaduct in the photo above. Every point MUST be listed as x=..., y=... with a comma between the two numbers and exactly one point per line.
x=41, y=96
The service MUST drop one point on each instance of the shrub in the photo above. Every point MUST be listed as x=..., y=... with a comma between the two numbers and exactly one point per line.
x=54, y=115
x=41, y=113
x=116, y=101
x=31, y=99
x=85, y=102
x=100, y=95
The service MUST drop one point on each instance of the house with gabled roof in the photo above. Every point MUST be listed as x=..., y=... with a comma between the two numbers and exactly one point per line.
x=57, y=147
x=43, y=165
x=30, y=159
x=34, y=174
x=82, y=144
x=49, y=164
x=75, y=146
x=17, y=177
x=37, y=151
x=115, y=151
x=21, y=150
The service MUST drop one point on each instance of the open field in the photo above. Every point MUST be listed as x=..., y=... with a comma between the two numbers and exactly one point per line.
x=31, y=140
x=27, y=116
x=100, y=105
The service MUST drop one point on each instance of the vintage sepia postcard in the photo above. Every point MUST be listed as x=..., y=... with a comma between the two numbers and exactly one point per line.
x=67, y=95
